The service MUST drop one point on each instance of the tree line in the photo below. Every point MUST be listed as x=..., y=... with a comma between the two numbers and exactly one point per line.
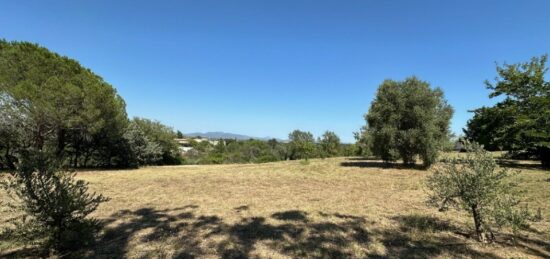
x=301, y=145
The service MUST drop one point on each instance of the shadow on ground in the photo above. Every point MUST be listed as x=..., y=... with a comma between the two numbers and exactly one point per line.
x=182, y=233
x=374, y=163
x=292, y=233
x=379, y=164
x=531, y=165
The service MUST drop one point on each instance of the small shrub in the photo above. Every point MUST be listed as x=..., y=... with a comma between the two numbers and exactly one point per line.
x=474, y=184
x=52, y=205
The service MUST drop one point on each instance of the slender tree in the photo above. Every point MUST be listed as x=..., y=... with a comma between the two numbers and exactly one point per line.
x=474, y=184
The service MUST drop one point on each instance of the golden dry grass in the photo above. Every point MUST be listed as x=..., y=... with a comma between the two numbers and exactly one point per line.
x=328, y=208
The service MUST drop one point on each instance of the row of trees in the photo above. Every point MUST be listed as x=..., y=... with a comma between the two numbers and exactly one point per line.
x=51, y=103
x=301, y=145
x=408, y=119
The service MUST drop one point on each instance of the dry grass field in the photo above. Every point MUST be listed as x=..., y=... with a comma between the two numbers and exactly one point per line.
x=332, y=208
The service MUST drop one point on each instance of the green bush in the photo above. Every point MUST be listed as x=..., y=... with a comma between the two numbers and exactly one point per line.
x=474, y=184
x=53, y=206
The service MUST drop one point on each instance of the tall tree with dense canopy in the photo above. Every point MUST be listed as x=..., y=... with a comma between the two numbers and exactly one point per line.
x=302, y=145
x=522, y=120
x=74, y=112
x=406, y=119
x=52, y=109
x=329, y=144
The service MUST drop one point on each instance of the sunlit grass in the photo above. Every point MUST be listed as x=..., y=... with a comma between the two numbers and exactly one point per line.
x=326, y=208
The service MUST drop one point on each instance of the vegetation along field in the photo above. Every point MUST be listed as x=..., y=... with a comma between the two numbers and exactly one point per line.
x=338, y=207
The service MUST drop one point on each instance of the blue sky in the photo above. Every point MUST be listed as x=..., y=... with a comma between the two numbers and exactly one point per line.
x=264, y=68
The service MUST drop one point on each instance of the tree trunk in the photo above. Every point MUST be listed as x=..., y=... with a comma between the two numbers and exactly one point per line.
x=483, y=235
x=544, y=155
x=60, y=142
x=9, y=163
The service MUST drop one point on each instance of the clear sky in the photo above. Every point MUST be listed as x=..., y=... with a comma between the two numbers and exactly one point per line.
x=264, y=68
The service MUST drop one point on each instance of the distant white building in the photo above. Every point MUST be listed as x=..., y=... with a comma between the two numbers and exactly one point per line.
x=185, y=143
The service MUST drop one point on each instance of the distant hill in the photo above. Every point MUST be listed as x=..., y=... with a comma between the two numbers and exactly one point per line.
x=225, y=135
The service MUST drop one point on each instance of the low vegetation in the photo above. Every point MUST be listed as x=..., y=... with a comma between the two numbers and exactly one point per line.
x=302, y=145
x=474, y=184
x=48, y=206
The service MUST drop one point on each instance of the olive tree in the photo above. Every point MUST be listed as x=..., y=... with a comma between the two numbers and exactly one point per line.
x=474, y=184
x=408, y=119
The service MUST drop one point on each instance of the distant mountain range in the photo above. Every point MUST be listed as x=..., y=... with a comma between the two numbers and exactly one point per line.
x=225, y=135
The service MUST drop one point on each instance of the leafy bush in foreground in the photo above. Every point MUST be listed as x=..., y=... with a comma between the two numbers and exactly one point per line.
x=474, y=184
x=52, y=205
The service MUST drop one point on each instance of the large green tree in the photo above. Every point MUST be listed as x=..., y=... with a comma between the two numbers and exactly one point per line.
x=74, y=113
x=301, y=145
x=521, y=120
x=329, y=144
x=406, y=119
x=486, y=128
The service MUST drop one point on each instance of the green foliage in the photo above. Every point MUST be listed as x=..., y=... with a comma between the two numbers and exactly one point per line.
x=329, y=144
x=158, y=138
x=486, y=128
x=362, y=144
x=52, y=205
x=71, y=111
x=406, y=119
x=474, y=184
x=144, y=151
x=233, y=151
x=520, y=121
x=348, y=150
x=13, y=126
x=301, y=145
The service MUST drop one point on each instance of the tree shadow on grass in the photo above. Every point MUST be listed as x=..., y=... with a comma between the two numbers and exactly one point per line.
x=380, y=164
x=420, y=236
x=26, y=252
x=292, y=233
x=520, y=165
x=455, y=243
x=529, y=244
x=183, y=233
